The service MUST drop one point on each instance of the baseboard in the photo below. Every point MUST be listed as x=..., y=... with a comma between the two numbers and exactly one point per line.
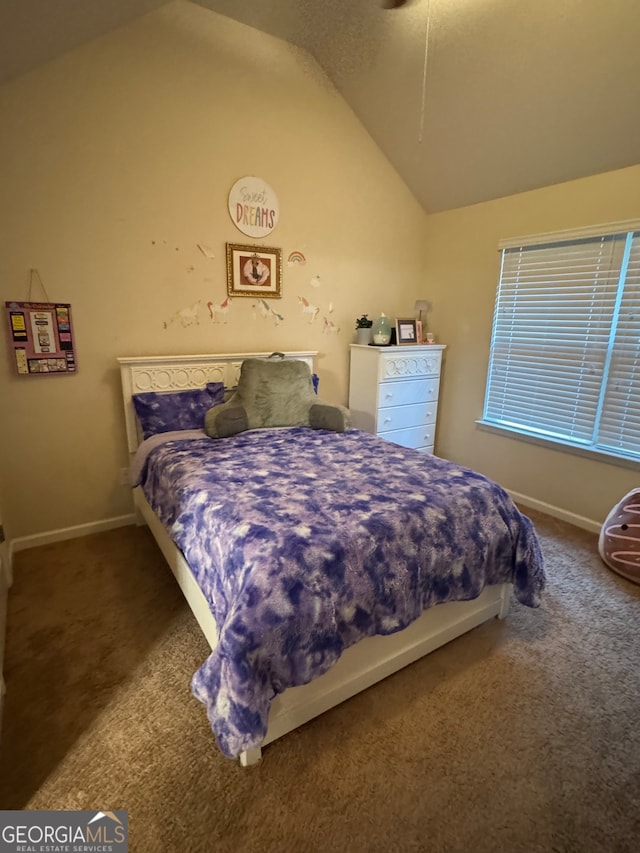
x=556, y=512
x=37, y=539
x=24, y=542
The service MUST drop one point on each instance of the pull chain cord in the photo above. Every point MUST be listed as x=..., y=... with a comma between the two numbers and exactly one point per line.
x=424, y=72
x=35, y=274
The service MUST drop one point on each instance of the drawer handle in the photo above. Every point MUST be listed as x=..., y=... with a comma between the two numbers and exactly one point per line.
x=389, y=395
x=388, y=420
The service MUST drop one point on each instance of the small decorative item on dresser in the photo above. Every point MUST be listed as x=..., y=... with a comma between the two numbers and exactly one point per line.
x=363, y=330
x=421, y=307
x=406, y=331
x=382, y=331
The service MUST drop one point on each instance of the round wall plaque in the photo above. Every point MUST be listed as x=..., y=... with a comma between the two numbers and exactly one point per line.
x=253, y=206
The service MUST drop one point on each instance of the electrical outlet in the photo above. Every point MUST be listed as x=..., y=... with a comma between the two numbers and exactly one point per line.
x=124, y=476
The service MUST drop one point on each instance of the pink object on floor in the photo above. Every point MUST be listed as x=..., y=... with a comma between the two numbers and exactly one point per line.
x=619, y=543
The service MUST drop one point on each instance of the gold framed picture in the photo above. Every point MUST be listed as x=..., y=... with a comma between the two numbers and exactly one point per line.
x=254, y=271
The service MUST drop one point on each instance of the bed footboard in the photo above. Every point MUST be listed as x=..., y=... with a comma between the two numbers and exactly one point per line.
x=505, y=600
x=250, y=756
x=375, y=658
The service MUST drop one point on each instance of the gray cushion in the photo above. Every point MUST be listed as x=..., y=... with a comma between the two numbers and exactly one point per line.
x=274, y=394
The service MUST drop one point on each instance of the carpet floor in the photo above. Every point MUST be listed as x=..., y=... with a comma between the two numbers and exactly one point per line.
x=523, y=735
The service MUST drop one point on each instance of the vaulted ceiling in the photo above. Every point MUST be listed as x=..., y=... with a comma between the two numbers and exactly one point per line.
x=469, y=99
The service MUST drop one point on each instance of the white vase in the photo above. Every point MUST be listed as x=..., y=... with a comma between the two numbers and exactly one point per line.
x=363, y=336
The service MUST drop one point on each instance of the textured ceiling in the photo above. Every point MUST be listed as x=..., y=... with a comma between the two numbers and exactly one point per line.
x=516, y=95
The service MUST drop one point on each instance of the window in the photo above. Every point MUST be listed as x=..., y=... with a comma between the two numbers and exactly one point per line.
x=565, y=349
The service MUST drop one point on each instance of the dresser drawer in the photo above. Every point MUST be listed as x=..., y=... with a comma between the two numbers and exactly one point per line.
x=399, y=417
x=410, y=363
x=417, y=436
x=400, y=393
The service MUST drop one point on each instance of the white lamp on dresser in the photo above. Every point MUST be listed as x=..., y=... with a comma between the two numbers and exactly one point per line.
x=393, y=392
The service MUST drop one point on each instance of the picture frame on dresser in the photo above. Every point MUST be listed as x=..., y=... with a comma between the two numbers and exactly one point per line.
x=406, y=331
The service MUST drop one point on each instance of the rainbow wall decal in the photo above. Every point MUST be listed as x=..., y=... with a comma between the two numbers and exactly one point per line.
x=296, y=258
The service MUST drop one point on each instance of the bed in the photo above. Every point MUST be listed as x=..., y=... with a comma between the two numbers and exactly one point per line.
x=309, y=591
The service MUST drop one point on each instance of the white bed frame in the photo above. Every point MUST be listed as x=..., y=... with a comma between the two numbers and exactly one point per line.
x=360, y=666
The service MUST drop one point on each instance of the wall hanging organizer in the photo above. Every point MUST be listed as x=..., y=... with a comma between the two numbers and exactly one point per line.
x=40, y=335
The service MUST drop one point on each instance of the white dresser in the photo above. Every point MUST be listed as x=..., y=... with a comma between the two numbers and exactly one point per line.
x=393, y=392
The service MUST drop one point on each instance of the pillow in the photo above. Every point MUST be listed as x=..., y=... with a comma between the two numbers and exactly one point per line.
x=229, y=392
x=274, y=394
x=175, y=410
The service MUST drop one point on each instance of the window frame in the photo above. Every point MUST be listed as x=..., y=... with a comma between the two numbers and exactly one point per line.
x=627, y=232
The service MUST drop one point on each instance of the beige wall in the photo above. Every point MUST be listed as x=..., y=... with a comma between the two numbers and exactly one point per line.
x=463, y=269
x=117, y=161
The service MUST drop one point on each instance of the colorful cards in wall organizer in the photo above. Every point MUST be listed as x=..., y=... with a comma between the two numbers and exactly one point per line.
x=41, y=338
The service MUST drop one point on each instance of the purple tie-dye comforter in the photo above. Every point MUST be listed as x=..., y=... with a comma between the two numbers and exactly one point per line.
x=305, y=541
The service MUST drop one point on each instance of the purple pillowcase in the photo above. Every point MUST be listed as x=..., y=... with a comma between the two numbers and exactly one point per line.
x=163, y=412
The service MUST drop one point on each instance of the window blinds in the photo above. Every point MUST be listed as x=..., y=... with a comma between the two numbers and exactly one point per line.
x=564, y=362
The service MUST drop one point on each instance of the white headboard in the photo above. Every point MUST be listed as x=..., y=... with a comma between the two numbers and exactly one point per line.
x=180, y=372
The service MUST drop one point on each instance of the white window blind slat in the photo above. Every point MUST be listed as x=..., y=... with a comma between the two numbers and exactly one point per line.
x=620, y=417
